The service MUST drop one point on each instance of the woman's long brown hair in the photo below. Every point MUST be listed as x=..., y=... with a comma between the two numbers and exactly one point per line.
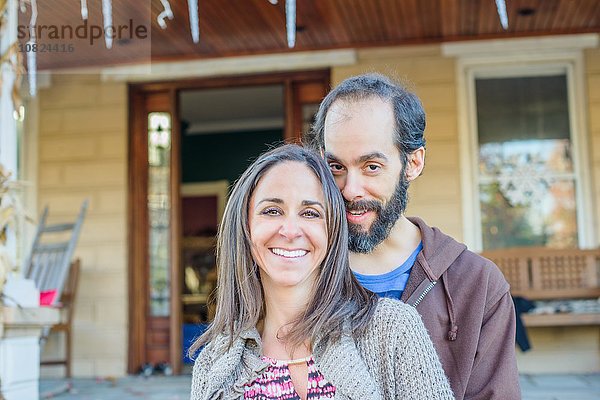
x=337, y=300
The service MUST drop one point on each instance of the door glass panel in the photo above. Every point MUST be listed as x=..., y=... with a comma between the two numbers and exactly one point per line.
x=159, y=208
x=309, y=110
x=527, y=182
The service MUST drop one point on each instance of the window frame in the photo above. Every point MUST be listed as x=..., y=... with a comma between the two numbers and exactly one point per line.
x=512, y=58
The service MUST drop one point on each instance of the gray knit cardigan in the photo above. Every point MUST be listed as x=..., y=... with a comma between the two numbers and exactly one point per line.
x=394, y=359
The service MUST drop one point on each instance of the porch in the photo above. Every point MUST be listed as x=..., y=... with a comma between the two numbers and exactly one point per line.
x=80, y=130
x=534, y=387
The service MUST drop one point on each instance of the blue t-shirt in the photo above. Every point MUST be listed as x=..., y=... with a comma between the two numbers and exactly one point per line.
x=391, y=284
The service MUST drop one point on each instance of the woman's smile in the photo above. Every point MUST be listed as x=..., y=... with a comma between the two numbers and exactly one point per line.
x=289, y=253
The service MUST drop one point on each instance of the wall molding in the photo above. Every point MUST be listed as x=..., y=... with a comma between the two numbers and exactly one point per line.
x=521, y=46
x=229, y=66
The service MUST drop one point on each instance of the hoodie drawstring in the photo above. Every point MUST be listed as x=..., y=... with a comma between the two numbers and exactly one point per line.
x=452, y=333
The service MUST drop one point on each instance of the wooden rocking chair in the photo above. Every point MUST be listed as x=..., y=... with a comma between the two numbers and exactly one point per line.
x=50, y=266
x=67, y=307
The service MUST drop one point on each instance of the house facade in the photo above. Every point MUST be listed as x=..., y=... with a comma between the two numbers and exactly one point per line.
x=77, y=143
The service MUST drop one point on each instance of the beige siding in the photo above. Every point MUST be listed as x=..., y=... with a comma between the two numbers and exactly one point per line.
x=573, y=349
x=82, y=154
x=436, y=195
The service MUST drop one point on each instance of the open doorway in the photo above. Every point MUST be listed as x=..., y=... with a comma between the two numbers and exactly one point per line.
x=222, y=131
x=189, y=141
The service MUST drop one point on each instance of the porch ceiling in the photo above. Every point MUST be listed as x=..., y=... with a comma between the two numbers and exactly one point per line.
x=231, y=28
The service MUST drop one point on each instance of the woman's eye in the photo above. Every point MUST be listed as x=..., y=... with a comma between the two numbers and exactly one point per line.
x=312, y=214
x=271, y=211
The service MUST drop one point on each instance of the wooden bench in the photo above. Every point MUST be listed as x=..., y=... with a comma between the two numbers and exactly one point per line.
x=551, y=274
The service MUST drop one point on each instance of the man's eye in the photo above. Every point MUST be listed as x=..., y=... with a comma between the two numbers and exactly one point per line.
x=335, y=167
x=373, y=168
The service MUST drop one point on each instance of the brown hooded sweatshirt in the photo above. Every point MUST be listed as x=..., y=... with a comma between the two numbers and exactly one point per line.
x=467, y=309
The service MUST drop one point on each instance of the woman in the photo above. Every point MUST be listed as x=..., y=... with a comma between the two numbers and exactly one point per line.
x=291, y=320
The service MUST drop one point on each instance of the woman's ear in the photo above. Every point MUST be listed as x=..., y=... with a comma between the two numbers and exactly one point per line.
x=415, y=163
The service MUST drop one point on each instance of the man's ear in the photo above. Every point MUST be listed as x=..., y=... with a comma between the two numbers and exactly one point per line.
x=415, y=163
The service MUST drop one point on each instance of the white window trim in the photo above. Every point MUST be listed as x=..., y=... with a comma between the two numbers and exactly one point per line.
x=523, y=57
x=8, y=125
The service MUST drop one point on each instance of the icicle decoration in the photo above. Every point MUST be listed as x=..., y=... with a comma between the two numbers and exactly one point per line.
x=290, y=22
x=501, y=7
x=84, y=9
x=166, y=13
x=22, y=6
x=107, y=15
x=194, y=23
x=31, y=54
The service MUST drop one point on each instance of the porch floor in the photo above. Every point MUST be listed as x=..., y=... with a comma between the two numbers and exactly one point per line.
x=534, y=387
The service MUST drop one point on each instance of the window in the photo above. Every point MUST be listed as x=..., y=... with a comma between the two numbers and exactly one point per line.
x=159, y=207
x=527, y=182
x=524, y=167
x=527, y=158
x=558, y=62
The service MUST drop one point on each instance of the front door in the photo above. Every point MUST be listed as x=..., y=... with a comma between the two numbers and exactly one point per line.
x=157, y=268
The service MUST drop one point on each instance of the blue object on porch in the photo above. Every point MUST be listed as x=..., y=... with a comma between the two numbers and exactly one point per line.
x=190, y=333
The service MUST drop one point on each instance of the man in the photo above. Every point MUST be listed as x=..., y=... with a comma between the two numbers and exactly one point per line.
x=370, y=130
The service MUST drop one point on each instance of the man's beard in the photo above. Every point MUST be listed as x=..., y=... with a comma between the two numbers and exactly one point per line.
x=361, y=241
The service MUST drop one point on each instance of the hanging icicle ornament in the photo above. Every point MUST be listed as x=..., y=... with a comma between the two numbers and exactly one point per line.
x=107, y=15
x=501, y=7
x=31, y=47
x=290, y=22
x=84, y=9
x=166, y=13
x=194, y=23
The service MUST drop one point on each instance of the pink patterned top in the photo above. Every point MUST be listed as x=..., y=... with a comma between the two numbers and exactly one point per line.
x=276, y=383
